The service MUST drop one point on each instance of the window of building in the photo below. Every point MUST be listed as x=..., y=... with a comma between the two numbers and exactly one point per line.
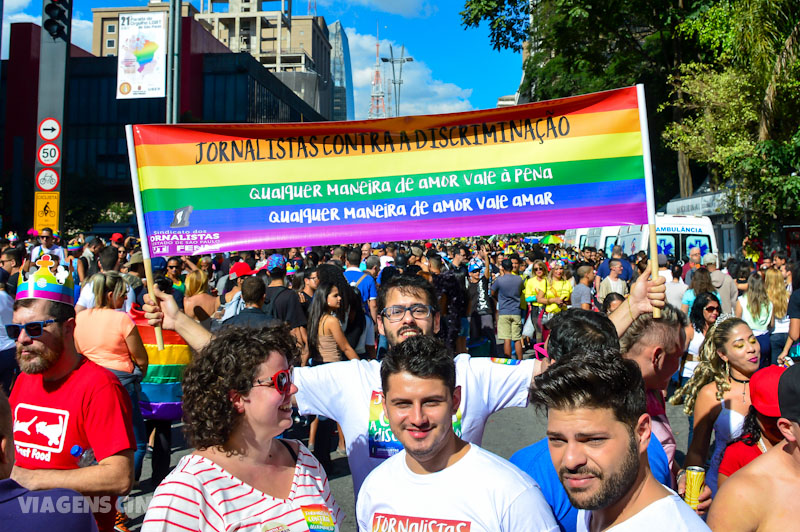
x=111, y=43
x=111, y=28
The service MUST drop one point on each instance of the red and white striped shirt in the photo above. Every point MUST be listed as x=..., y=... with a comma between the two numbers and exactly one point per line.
x=200, y=495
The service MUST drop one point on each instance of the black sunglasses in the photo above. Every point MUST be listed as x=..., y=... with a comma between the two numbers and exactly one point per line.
x=34, y=329
x=711, y=309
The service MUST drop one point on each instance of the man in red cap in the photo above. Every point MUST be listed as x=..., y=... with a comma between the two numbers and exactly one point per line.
x=759, y=496
x=760, y=432
x=238, y=272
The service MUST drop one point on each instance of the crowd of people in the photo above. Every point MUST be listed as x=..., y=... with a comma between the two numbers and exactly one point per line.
x=395, y=354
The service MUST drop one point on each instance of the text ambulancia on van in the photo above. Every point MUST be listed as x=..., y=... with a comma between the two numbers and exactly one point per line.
x=675, y=236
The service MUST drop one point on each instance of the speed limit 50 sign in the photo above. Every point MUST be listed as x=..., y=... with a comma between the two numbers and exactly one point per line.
x=48, y=154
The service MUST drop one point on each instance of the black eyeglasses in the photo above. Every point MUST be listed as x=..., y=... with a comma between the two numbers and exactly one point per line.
x=711, y=309
x=397, y=312
x=281, y=381
x=34, y=329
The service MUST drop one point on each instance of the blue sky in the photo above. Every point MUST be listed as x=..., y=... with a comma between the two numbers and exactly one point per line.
x=453, y=70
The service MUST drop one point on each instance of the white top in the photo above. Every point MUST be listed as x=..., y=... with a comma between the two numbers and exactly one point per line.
x=86, y=299
x=782, y=325
x=479, y=493
x=6, y=318
x=669, y=514
x=200, y=495
x=350, y=393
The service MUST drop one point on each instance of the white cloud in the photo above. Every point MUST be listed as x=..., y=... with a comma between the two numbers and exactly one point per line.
x=82, y=33
x=12, y=18
x=81, y=30
x=405, y=8
x=420, y=92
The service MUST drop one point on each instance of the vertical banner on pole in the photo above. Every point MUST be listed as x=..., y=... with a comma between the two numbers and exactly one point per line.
x=141, y=63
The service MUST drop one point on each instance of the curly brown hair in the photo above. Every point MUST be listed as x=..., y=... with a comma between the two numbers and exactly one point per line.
x=228, y=363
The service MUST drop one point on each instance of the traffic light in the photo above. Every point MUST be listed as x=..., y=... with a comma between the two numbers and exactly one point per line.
x=56, y=18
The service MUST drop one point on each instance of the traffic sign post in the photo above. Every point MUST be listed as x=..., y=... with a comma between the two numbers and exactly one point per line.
x=49, y=129
x=45, y=210
x=47, y=180
x=53, y=78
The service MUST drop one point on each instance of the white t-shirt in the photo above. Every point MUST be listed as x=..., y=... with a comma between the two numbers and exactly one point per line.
x=200, y=495
x=350, y=393
x=669, y=514
x=86, y=298
x=479, y=493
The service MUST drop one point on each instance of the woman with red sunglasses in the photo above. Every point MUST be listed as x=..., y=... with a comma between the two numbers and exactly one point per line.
x=237, y=402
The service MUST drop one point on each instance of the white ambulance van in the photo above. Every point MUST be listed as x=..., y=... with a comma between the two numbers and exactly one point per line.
x=675, y=235
x=603, y=238
x=576, y=237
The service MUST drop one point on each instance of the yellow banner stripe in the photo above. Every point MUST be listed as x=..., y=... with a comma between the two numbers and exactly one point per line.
x=580, y=125
x=389, y=164
x=170, y=356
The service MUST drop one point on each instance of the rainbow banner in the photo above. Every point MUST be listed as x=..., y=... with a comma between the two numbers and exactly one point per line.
x=560, y=164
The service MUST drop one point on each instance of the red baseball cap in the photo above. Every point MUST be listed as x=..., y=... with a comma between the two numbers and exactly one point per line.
x=240, y=269
x=764, y=390
x=116, y=237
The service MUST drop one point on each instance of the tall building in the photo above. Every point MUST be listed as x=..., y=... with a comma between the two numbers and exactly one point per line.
x=343, y=106
x=295, y=48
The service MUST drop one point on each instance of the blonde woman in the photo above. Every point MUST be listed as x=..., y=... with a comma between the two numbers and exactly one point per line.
x=198, y=303
x=536, y=283
x=718, y=394
x=557, y=292
x=779, y=297
x=755, y=308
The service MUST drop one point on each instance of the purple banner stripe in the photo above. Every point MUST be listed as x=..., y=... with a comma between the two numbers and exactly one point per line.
x=622, y=214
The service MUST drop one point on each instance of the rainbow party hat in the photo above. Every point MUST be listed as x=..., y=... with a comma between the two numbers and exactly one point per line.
x=44, y=285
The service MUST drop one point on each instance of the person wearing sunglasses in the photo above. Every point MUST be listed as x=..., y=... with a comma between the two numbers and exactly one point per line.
x=47, y=246
x=64, y=404
x=237, y=401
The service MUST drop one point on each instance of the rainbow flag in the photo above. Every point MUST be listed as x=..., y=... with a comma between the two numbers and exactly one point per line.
x=162, y=389
x=560, y=164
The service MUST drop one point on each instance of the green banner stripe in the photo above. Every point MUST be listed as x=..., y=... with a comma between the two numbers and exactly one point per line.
x=165, y=373
x=563, y=173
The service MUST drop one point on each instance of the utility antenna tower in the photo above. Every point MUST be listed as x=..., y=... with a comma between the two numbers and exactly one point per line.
x=377, y=106
x=312, y=8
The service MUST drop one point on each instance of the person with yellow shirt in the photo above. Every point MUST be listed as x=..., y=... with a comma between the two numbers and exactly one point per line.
x=536, y=283
x=557, y=292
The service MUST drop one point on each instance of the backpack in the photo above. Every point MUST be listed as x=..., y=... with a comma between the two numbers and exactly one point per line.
x=355, y=284
x=269, y=306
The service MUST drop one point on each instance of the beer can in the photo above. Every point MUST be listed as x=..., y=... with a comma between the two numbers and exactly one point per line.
x=695, y=479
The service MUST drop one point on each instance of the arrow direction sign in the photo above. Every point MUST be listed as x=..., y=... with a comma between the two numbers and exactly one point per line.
x=49, y=129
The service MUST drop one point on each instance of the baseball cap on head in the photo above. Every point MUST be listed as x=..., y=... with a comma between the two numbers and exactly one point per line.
x=240, y=269
x=157, y=263
x=764, y=390
x=710, y=258
x=475, y=265
x=116, y=237
x=275, y=261
x=662, y=260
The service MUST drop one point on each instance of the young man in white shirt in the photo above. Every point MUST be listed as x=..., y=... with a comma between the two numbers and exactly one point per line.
x=483, y=491
x=599, y=430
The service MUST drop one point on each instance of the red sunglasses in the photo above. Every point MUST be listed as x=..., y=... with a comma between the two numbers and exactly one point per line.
x=281, y=381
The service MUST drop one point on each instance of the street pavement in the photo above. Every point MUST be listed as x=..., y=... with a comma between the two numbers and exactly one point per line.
x=506, y=432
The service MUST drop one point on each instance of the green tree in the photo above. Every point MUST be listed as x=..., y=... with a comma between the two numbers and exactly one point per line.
x=740, y=106
x=575, y=47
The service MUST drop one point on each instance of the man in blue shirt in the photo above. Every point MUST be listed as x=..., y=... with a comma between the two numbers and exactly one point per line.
x=573, y=333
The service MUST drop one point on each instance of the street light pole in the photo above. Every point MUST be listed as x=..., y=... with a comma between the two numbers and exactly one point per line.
x=397, y=77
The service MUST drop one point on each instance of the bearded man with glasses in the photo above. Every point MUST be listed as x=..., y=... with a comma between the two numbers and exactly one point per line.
x=63, y=404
